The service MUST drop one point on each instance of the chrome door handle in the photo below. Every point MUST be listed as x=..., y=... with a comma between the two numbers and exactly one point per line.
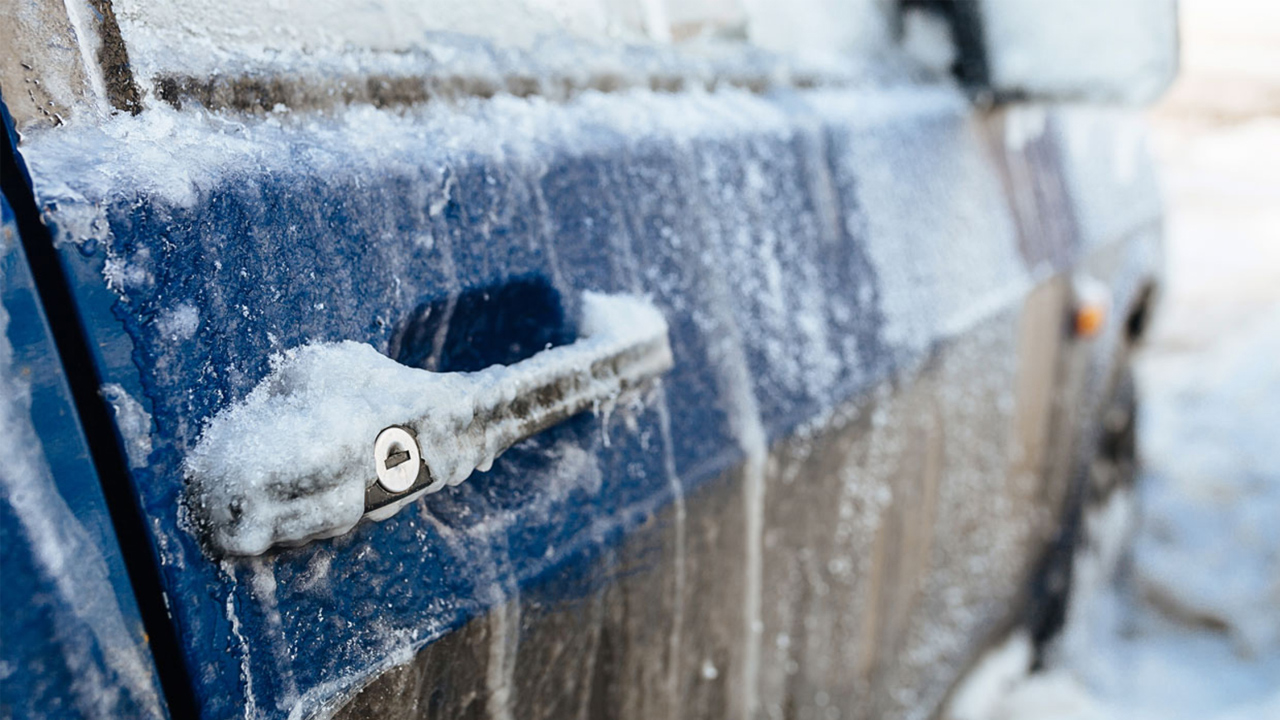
x=338, y=431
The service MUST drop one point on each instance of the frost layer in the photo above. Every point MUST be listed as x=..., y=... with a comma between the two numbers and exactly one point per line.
x=292, y=461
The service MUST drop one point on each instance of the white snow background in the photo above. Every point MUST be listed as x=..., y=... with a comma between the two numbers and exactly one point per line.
x=1189, y=626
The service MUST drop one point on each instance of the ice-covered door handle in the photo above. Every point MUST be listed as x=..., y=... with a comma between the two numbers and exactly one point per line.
x=338, y=431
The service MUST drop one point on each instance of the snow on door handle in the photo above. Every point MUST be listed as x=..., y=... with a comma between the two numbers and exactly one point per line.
x=338, y=431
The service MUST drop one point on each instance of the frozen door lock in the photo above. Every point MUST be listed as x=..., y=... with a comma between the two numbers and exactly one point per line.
x=428, y=430
x=397, y=459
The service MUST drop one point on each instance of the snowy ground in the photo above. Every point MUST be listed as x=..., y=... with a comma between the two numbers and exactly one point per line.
x=1189, y=627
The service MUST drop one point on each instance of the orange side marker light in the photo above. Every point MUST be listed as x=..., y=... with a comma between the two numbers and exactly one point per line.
x=1093, y=304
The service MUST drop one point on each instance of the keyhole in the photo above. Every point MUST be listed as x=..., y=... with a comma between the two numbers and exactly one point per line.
x=396, y=458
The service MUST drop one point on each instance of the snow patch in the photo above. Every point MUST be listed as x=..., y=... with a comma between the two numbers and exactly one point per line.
x=203, y=37
x=1216, y=510
x=947, y=258
x=133, y=421
x=926, y=36
x=995, y=675
x=1084, y=49
x=179, y=322
x=1024, y=124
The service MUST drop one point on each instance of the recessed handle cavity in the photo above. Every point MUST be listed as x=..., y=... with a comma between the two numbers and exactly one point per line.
x=338, y=431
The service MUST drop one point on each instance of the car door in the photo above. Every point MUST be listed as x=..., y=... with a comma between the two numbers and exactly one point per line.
x=831, y=500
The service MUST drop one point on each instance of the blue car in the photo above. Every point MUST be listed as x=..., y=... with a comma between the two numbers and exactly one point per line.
x=518, y=359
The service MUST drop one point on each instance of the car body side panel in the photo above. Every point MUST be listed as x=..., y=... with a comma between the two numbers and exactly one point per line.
x=853, y=431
